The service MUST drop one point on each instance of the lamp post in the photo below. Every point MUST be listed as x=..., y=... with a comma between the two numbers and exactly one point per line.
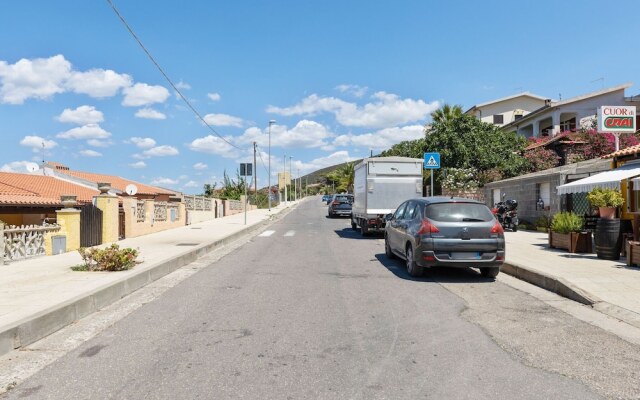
x=290, y=176
x=271, y=122
x=284, y=179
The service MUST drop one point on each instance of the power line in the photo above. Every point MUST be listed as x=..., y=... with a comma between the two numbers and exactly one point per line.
x=262, y=161
x=166, y=76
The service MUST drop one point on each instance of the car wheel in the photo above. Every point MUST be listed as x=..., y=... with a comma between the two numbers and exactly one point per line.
x=387, y=248
x=490, y=272
x=412, y=267
x=515, y=228
x=354, y=226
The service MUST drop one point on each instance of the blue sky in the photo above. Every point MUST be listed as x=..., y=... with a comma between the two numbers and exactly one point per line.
x=341, y=78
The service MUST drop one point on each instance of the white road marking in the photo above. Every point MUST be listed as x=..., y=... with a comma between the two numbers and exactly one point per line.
x=267, y=233
x=290, y=233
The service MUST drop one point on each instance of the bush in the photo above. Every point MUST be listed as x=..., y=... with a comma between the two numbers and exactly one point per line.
x=599, y=197
x=565, y=222
x=108, y=259
x=543, y=221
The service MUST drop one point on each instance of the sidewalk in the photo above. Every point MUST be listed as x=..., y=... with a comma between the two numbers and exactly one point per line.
x=41, y=295
x=609, y=286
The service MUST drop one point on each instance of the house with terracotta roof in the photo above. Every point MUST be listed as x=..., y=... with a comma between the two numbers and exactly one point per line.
x=27, y=199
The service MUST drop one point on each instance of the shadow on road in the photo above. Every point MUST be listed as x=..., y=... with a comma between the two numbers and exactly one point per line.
x=437, y=275
x=348, y=233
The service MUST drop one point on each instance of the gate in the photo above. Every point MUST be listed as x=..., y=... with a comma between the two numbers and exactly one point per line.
x=121, y=224
x=90, y=226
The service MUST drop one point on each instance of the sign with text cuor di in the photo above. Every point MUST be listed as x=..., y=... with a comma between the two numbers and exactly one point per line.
x=431, y=160
x=617, y=119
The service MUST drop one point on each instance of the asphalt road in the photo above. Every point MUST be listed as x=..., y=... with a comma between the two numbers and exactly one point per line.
x=310, y=310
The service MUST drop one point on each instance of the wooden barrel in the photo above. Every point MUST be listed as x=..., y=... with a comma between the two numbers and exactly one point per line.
x=608, y=239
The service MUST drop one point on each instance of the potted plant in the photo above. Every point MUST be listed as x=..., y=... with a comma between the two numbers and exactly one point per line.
x=608, y=239
x=606, y=200
x=567, y=233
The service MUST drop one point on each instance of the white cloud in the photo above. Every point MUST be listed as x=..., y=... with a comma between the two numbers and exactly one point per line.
x=183, y=85
x=164, y=181
x=143, y=143
x=142, y=94
x=355, y=90
x=150, y=113
x=382, y=139
x=89, y=131
x=90, y=153
x=19, y=166
x=139, y=164
x=98, y=83
x=214, y=96
x=40, y=78
x=191, y=184
x=338, y=157
x=99, y=143
x=161, y=151
x=213, y=145
x=200, y=166
x=223, y=120
x=36, y=142
x=387, y=110
x=305, y=133
x=82, y=115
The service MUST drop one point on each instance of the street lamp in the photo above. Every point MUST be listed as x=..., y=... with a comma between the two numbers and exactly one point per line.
x=271, y=122
x=290, y=176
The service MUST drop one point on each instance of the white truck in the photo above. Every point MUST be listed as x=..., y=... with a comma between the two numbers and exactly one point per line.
x=381, y=184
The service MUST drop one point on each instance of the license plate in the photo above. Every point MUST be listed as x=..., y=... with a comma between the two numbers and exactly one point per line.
x=466, y=255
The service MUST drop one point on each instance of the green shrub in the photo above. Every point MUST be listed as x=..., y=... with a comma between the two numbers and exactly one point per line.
x=543, y=221
x=107, y=259
x=599, y=197
x=565, y=222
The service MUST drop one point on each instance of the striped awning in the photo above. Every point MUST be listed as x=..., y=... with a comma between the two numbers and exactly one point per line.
x=605, y=180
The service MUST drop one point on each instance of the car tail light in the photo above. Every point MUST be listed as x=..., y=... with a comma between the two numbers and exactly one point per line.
x=499, y=258
x=427, y=227
x=335, y=203
x=497, y=228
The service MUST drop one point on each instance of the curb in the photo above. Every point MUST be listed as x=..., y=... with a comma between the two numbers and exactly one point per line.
x=46, y=322
x=550, y=283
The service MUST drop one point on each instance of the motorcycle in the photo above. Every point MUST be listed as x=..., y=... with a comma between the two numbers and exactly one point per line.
x=506, y=213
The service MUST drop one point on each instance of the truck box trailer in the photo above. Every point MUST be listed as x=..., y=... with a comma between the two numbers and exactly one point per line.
x=381, y=184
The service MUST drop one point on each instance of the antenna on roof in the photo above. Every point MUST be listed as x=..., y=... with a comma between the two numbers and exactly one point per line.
x=43, y=153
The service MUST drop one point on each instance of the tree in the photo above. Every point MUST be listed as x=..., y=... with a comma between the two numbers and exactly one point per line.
x=231, y=189
x=209, y=189
x=446, y=113
x=342, y=177
x=466, y=142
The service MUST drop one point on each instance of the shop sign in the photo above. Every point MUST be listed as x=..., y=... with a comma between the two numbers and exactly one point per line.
x=617, y=119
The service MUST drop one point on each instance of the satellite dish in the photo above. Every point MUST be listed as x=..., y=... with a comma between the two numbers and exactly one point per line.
x=32, y=167
x=131, y=189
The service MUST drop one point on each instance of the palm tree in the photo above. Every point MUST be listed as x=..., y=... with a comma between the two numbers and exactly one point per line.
x=446, y=113
x=346, y=173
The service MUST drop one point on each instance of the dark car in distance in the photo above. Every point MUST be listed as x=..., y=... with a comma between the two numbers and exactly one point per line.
x=445, y=232
x=340, y=205
x=325, y=198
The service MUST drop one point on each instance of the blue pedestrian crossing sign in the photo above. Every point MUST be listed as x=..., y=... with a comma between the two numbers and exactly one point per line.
x=431, y=160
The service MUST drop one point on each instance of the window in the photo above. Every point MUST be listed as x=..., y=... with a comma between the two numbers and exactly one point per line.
x=568, y=125
x=458, y=212
x=498, y=119
x=409, y=214
x=517, y=117
x=400, y=211
x=543, y=191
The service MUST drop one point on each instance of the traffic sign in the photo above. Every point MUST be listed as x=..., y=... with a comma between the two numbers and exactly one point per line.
x=431, y=160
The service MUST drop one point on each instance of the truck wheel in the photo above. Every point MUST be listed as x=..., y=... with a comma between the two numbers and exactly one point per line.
x=364, y=229
x=354, y=226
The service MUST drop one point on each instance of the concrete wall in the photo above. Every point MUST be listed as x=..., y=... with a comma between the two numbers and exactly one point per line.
x=217, y=211
x=134, y=228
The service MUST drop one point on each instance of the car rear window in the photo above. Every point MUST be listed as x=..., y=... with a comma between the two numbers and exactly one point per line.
x=458, y=212
x=344, y=199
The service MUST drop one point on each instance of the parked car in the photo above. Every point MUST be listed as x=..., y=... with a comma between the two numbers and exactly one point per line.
x=340, y=205
x=447, y=232
x=325, y=198
x=329, y=198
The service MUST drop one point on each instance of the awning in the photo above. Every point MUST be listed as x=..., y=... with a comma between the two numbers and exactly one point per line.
x=606, y=180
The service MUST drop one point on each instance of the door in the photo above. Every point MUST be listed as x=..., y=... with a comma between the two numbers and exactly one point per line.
x=121, y=223
x=90, y=225
x=393, y=231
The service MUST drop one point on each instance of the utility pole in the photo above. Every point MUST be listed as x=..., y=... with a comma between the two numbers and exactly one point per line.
x=290, y=174
x=255, y=174
x=284, y=179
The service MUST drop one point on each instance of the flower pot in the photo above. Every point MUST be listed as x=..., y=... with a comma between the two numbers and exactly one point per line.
x=607, y=212
x=633, y=253
x=580, y=242
x=68, y=200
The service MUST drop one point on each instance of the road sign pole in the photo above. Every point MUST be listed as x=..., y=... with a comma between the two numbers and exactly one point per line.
x=431, y=173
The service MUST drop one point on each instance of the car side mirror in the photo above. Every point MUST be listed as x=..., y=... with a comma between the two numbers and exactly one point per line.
x=388, y=217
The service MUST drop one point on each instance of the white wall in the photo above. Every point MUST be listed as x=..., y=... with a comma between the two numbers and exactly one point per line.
x=507, y=107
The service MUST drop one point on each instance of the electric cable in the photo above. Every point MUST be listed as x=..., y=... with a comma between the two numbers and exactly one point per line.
x=166, y=76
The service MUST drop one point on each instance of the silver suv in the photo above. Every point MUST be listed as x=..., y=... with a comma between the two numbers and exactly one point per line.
x=445, y=231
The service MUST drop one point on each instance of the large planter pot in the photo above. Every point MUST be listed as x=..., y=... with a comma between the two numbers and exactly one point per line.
x=607, y=212
x=633, y=253
x=574, y=242
x=608, y=239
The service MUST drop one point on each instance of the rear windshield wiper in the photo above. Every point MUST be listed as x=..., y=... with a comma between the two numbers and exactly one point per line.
x=472, y=220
